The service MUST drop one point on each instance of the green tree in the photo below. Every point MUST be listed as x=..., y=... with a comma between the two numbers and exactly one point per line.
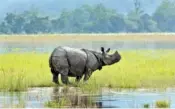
x=149, y=24
x=4, y=29
x=100, y=17
x=133, y=20
x=165, y=16
x=64, y=22
x=117, y=23
x=138, y=21
x=38, y=25
x=9, y=21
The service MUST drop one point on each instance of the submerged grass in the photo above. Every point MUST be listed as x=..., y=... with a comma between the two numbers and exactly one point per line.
x=146, y=106
x=162, y=104
x=57, y=104
x=137, y=69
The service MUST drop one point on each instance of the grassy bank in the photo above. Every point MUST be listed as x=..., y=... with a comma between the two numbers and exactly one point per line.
x=139, y=68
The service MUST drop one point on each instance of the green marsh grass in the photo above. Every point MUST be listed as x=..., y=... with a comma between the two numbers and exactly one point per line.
x=137, y=69
x=162, y=104
x=57, y=104
x=146, y=106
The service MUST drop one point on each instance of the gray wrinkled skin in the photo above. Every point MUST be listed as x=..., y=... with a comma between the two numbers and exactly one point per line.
x=72, y=62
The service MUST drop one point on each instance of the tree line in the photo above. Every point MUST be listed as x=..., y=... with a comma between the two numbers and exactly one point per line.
x=92, y=19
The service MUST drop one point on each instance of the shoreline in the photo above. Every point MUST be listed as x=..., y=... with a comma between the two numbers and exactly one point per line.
x=47, y=38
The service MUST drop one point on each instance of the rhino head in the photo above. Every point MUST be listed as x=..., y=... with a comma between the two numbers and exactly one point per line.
x=109, y=59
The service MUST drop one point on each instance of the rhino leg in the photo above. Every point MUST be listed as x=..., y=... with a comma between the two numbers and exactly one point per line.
x=64, y=79
x=87, y=75
x=55, y=76
x=78, y=78
x=64, y=76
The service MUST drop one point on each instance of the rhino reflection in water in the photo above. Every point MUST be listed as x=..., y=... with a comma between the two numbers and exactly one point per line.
x=75, y=98
x=75, y=62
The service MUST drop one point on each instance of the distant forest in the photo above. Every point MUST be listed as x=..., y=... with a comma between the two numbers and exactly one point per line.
x=92, y=19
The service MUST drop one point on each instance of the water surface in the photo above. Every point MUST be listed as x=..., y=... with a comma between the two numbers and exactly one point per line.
x=94, y=45
x=107, y=98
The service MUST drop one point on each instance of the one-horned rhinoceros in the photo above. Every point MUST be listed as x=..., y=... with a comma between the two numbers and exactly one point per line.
x=75, y=62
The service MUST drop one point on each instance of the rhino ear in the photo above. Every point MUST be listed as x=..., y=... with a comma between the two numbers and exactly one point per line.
x=107, y=50
x=102, y=49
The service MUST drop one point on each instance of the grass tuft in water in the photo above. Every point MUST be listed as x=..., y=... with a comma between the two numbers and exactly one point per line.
x=162, y=104
x=57, y=104
x=146, y=105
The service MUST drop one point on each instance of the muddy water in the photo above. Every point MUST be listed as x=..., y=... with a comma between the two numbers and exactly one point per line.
x=107, y=98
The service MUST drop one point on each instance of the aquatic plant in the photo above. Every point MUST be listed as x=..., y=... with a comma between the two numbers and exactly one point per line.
x=146, y=106
x=57, y=104
x=162, y=104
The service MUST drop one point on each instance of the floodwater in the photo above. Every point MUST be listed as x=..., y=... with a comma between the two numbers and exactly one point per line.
x=107, y=98
x=94, y=45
